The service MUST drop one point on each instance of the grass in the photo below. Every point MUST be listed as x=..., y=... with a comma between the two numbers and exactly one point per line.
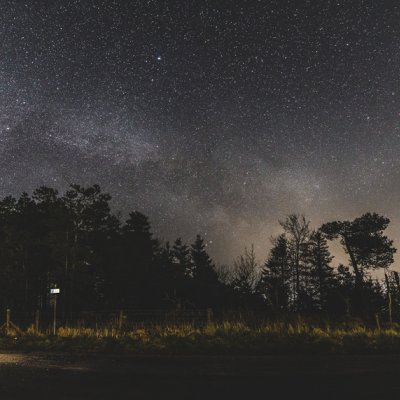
x=233, y=338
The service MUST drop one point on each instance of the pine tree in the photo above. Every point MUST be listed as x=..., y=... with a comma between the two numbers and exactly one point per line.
x=364, y=241
x=177, y=273
x=276, y=276
x=205, y=277
x=182, y=258
x=297, y=235
x=321, y=272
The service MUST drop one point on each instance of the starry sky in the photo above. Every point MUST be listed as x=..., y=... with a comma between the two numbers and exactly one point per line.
x=210, y=116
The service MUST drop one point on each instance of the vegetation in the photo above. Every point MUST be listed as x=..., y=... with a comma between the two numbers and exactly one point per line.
x=213, y=338
x=74, y=241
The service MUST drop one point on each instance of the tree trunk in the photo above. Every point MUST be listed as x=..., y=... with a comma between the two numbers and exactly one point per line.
x=389, y=296
x=357, y=272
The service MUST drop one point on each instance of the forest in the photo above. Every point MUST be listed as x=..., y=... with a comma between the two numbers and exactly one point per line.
x=76, y=243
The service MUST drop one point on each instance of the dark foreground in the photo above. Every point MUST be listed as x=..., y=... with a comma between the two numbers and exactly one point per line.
x=62, y=376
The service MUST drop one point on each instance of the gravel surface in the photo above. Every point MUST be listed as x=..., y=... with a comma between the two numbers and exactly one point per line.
x=94, y=376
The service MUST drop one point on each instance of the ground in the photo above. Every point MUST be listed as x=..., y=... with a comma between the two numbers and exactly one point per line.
x=94, y=376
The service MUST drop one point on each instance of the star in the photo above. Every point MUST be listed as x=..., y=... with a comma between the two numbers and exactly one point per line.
x=225, y=128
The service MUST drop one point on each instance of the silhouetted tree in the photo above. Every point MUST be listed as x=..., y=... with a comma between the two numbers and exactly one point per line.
x=363, y=240
x=245, y=272
x=276, y=276
x=321, y=272
x=245, y=276
x=205, y=278
x=181, y=254
x=175, y=279
x=297, y=233
x=138, y=267
x=89, y=225
x=74, y=241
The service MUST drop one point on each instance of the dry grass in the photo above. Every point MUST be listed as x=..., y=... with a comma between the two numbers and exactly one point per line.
x=223, y=338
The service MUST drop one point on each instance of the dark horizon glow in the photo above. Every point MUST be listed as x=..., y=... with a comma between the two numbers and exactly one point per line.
x=217, y=118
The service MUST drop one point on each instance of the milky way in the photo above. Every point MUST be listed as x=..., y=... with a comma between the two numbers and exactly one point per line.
x=217, y=117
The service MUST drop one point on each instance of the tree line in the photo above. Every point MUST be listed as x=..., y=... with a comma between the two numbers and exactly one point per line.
x=74, y=242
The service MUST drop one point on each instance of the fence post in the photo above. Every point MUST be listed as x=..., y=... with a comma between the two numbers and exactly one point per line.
x=8, y=324
x=120, y=320
x=8, y=320
x=209, y=315
x=378, y=323
x=37, y=316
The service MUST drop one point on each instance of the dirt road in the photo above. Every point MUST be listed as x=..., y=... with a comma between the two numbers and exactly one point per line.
x=63, y=376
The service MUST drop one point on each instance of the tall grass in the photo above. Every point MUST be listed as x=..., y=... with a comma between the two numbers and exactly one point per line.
x=215, y=338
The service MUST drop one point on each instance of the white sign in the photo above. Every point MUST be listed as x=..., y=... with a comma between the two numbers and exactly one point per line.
x=54, y=291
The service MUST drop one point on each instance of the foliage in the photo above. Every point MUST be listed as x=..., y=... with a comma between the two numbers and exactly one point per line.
x=99, y=262
x=228, y=337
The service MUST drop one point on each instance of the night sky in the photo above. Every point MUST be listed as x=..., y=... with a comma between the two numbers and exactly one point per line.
x=211, y=117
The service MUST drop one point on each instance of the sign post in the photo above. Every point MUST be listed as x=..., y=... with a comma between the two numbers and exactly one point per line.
x=55, y=291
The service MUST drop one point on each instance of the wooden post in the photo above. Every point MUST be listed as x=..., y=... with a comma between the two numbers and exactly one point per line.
x=120, y=320
x=378, y=324
x=37, y=316
x=55, y=315
x=347, y=301
x=209, y=315
x=8, y=320
x=8, y=324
